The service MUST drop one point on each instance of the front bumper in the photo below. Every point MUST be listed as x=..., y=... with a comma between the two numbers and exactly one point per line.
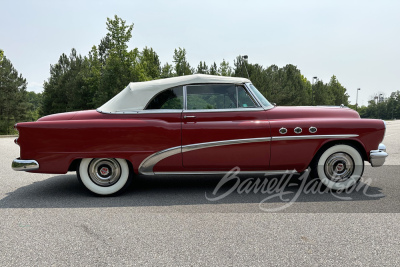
x=24, y=165
x=377, y=157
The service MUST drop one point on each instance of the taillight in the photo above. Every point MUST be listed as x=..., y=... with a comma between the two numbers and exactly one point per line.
x=16, y=141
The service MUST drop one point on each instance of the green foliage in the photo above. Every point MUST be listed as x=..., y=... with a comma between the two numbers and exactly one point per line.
x=66, y=89
x=202, y=68
x=182, y=67
x=214, y=69
x=35, y=105
x=388, y=109
x=339, y=92
x=225, y=69
x=13, y=99
x=118, y=37
x=167, y=71
x=287, y=86
x=322, y=94
x=150, y=63
x=284, y=86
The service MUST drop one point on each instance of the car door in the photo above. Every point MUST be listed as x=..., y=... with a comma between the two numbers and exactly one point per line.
x=223, y=126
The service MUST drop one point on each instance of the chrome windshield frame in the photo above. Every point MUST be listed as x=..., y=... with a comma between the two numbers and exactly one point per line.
x=247, y=85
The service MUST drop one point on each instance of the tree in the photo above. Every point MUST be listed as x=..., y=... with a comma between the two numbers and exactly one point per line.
x=272, y=83
x=338, y=91
x=239, y=67
x=34, y=105
x=67, y=88
x=258, y=77
x=202, y=68
x=120, y=65
x=182, y=67
x=13, y=103
x=294, y=90
x=225, y=69
x=118, y=37
x=323, y=95
x=214, y=69
x=150, y=62
x=167, y=71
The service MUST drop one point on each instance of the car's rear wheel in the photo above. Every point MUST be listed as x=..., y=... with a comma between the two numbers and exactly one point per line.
x=339, y=166
x=104, y=176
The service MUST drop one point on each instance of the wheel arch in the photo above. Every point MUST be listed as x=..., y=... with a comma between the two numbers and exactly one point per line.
x=75, y=164
x=354, y=143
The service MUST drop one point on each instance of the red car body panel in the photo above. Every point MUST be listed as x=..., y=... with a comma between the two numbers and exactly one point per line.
x=55, y=141
x=220, y=126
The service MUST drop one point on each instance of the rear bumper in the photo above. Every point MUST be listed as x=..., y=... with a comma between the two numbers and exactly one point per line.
x=24, y=165
x=377, y=157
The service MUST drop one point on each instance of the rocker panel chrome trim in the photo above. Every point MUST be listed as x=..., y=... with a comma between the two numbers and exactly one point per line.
x=224, y=172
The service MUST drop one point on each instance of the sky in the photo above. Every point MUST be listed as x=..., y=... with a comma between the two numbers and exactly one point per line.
x=358, y=41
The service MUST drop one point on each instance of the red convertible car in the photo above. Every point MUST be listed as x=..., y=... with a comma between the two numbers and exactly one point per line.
x=199, y=124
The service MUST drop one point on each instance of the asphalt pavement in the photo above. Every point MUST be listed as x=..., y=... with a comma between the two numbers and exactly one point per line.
x=178, y=220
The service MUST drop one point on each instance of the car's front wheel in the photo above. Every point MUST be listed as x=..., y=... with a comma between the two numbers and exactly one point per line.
x=104, y=176
x=339, y=167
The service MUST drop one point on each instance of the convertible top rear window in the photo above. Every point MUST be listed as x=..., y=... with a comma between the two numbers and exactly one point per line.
x=168, y=99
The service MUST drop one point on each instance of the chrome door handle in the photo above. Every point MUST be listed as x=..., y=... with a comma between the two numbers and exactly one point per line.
x=188, y=117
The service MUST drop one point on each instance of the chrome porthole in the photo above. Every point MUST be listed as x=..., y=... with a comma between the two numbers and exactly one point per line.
x=298, y=130
x=282, y=130
x=339, y=167
x=104, y=171
x=312, y=129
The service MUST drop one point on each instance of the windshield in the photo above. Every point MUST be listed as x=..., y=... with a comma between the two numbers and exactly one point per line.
x=259, y=96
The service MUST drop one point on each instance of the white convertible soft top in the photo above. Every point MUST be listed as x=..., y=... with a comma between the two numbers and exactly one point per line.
x=136, y=95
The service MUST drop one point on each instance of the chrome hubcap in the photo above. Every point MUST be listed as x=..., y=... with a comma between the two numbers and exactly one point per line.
x=104, y=172
x=339, y=167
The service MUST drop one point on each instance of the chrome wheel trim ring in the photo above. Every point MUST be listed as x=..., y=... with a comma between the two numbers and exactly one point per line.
x=104, y=171
x=339, y=167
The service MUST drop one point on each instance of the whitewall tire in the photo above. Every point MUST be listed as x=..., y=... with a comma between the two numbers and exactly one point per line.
x=339, y=167
x=104, y=176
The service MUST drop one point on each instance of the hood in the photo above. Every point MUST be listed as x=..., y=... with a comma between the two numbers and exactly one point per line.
x=312, y=112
